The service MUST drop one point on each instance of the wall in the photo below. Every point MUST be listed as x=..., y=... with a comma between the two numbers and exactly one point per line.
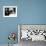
x=7, y=25
x=29, y=12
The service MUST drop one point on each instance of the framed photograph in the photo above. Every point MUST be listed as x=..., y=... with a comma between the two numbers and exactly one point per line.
x=9, y=11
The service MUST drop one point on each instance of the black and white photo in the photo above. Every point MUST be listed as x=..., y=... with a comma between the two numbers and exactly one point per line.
x=9, y=11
